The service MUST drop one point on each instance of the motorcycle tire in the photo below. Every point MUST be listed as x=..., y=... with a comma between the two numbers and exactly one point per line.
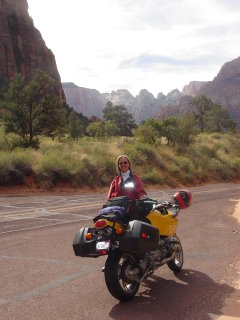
x=177, y=263
x=119, y=287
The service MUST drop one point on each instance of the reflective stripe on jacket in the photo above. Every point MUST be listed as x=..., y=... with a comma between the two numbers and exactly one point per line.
x=118, y=188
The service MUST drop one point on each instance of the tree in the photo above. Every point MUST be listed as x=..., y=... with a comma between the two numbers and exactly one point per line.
x=187, y=131
x=201, y=106
x=110, y=129
x=169, y=129
x=82, y=119
x=156, y=125
x=15, y=117
x=119, y=116
x=45, y=112
x=75, y=126
x=147, y=133
x=96, y=129
x=218, y=119
x=33, y=108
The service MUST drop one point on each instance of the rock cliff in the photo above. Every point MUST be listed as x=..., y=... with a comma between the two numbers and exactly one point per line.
x=145, y=106
x=142, y=107
x=22, y=48
x=225, y=88
x=192, y=88
x=89, y=102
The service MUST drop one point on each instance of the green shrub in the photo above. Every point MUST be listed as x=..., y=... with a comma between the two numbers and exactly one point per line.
x=185, y=164
x=136, y=157
x=20, y=142
x=4, y=146
x=148, y=152
x=213, y=157
x=153, y=177
x=14, y=167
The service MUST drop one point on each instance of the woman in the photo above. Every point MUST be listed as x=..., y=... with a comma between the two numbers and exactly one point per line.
x=126, y=183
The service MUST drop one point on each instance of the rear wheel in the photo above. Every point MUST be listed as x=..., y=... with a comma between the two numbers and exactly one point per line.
x=117, y=284
x=177, y=263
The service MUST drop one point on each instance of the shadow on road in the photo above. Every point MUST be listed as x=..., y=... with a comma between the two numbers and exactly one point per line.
x=193, y=296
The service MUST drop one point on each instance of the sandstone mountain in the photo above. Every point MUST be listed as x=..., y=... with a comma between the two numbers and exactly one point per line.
x=225, y=88
x=142, y=107
x=22, y=48
x=90, y=102
x=192, y=88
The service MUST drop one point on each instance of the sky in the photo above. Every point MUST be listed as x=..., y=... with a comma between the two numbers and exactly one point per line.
x=158, y=45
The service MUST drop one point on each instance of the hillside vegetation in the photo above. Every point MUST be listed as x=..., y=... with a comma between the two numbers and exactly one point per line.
x=44, y=143
x=76, y=163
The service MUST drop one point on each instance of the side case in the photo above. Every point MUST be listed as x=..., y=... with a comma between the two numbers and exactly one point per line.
x=83, y=247
x=139, y=237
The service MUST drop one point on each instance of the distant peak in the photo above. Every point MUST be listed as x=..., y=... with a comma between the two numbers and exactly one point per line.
x=69, y=85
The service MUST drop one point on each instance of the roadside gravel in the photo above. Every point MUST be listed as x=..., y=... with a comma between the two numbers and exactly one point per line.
x=233, y=301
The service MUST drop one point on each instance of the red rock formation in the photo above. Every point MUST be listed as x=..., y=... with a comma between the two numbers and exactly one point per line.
x=225, y=88
x=22, y=48
x=192, y=88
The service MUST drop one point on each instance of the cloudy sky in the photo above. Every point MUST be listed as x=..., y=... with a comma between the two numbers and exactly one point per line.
x=158, y=45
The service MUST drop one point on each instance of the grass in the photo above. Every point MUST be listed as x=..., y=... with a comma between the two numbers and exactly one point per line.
x=213, y=157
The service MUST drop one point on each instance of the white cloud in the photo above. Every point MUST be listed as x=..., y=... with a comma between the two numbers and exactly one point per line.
x=162, y=44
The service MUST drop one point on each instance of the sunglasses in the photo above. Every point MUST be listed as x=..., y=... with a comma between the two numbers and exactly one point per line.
x=124, y=162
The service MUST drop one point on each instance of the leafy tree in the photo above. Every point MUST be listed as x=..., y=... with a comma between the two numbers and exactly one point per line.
x=110, y=129
x=156, y=125
x=187, y=131
x=75, y=126
x=33, y=108
x=16, y=112
x=82, y=119
x=218, y=119
x=96, y=129
x=201, y=105
x=120, y=117
x=169, y=129
x=44, y=109
x=147, y=133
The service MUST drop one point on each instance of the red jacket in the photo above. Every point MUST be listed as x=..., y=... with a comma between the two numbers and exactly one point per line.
x=117, y=188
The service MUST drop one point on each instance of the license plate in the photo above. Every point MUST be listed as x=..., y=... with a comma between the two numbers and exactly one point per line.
x=103, y=245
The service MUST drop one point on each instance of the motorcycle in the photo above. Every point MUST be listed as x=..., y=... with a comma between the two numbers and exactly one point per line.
x=137, y=237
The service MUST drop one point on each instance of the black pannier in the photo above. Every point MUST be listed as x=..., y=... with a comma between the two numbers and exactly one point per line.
x=83, y=247
x=139, y=237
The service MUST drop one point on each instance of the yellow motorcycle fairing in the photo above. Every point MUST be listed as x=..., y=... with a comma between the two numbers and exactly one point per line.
x=165, y=223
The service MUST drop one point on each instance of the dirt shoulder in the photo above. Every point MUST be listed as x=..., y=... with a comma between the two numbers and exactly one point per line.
x=236, y=215
x=29, y=191
x=26, y=190
x=232, y=302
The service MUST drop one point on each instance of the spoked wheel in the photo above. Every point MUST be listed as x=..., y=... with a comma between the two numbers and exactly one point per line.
x=177, y=263
x=116, y=265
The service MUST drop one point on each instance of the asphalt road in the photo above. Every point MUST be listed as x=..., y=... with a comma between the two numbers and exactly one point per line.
x=40, y=278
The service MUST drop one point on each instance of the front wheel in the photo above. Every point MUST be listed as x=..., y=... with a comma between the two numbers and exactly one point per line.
x=177, y=263
x=117, y=284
